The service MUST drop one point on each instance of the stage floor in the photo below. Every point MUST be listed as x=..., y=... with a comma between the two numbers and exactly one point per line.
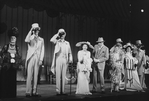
x=48, y=93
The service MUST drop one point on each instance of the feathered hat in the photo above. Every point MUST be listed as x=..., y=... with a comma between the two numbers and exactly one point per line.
x=79, y=44
x=128, y=45
x=13, y=32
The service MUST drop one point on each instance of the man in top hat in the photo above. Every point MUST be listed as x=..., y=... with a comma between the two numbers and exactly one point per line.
x=62, y=57
x=140, y=55
x=35, y=55
x=101, y=55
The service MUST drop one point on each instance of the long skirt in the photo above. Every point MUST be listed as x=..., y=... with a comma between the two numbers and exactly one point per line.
x=7, y=82
x=132, y=82
x=83, y=82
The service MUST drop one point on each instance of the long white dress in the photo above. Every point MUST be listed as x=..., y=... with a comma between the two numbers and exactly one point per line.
x=132, y=79
x=83, y=69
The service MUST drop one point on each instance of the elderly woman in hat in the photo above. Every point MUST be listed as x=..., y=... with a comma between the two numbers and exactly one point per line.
x=118, y=47
x=132, y=82
x=61, y=58
x=84, y=68
x=118, y=43
x=10, y=62
x=116, y=61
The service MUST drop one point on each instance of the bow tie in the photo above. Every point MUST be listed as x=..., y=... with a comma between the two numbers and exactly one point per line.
x=36, y=39
x=61, y=40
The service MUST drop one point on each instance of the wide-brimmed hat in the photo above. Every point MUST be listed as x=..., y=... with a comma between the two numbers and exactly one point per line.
x=13, y=32
x=128, y=45
x=119, y=40
x=100, y=39
x=35, y=25
x=79, y=44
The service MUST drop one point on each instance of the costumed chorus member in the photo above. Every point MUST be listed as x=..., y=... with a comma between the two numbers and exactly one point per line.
x=101, y=55
x=84, y=68
x=132, y=82
x=61, y=58
x=121, y=57
x=34, y=59
x=116, y=60
x=140, y=55
x=10, y=62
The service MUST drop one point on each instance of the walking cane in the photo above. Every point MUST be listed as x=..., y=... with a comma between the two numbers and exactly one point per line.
x=70, y=70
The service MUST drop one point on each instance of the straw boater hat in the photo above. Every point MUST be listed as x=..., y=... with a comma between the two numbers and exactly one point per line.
x=119, y=40
x=100, y=39
x=35, y=25
x=13, y=32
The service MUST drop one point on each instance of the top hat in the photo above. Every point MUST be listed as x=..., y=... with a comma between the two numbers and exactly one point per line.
x=100, y=39
x=119, y=40
x=13, y=32
x=35, y=25
x=61, y=31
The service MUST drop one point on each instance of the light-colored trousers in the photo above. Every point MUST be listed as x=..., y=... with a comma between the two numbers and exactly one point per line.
x=142, y=80
x=32, y=75
x=61, y=67
x=99, y=69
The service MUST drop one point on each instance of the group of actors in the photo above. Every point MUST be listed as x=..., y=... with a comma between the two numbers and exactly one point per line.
x=127, y=64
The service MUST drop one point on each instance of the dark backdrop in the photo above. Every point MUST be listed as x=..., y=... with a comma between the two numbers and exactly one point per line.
x=126, y=22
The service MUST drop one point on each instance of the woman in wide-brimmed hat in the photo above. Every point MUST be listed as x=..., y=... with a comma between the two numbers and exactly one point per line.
x=132, y=82
x=84, y=68
x=10, y=62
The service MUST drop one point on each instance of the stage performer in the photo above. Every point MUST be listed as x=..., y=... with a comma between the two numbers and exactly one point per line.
x=34, y=59
x=140, y=55
x=100, y=56
x=118, y=43
x=84, y=68
x=116, y=61
x=62, y=57
x=121, y=53
x=11, y=60
x=132, y=82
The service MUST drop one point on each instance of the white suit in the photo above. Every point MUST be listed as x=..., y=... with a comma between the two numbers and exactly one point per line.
x=35, y=54
x=62, y=55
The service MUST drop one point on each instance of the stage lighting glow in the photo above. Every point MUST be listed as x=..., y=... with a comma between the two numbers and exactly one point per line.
x=142, y=10
x=129, y=4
